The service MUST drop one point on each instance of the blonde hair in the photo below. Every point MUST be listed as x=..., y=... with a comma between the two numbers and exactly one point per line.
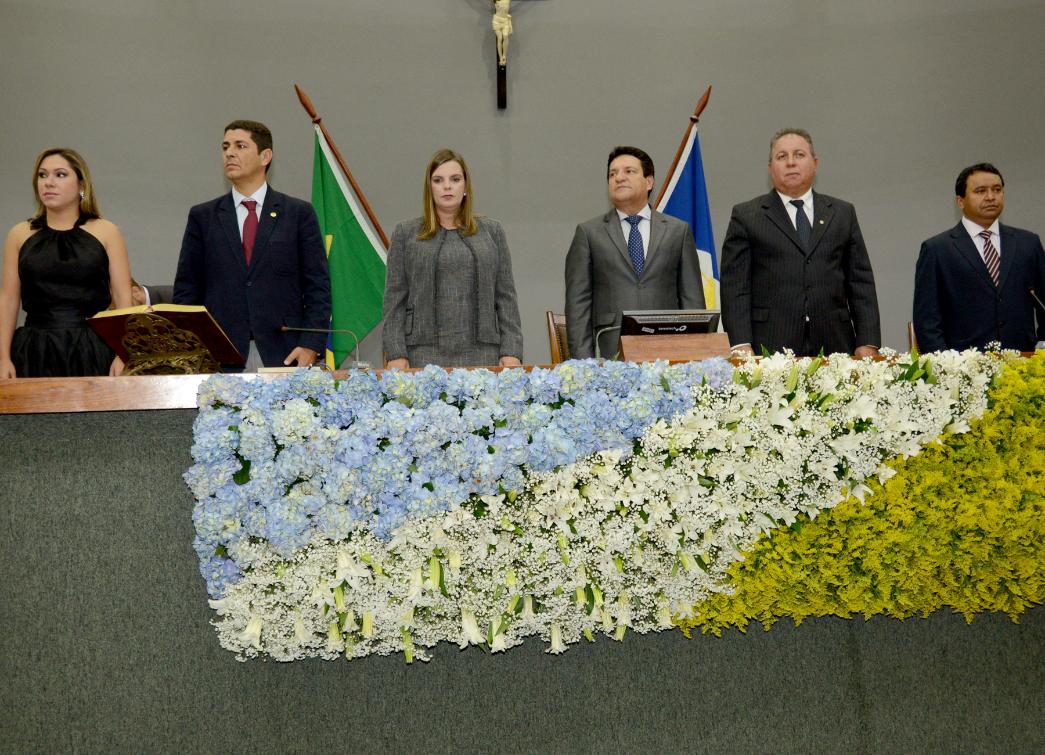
x=88, y=202
x=465, y=218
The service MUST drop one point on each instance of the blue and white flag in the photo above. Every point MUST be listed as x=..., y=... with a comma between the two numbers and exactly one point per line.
x=686, y=198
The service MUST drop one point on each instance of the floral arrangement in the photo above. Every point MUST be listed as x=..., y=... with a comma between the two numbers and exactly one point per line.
x=962, y=526
x=381, y=515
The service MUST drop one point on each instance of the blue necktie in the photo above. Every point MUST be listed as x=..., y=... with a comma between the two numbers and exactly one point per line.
x=805, y=231
x=638, y=260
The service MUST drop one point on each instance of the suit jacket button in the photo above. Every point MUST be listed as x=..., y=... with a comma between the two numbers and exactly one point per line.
x=249, y=284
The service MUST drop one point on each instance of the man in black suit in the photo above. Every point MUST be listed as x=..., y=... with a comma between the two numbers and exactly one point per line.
x=631, y=257
x=255, y=258
x=795, y=271
x=973, y=284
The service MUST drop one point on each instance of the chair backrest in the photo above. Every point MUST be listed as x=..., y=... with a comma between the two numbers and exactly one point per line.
x=557, y=343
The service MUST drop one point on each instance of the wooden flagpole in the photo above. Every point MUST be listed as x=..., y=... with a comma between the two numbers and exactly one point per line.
x=685, y=138
x=307, y=104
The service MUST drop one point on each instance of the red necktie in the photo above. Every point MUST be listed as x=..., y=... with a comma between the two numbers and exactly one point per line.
x=250, y=228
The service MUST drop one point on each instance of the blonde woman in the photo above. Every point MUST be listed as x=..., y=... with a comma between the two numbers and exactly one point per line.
x=449, y=294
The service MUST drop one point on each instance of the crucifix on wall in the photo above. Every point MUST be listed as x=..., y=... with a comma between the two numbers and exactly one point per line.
x=502, y=30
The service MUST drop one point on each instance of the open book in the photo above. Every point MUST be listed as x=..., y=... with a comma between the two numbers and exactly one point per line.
x=111, y=325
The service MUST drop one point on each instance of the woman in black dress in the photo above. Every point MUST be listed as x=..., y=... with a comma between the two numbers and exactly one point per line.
x=63, y=265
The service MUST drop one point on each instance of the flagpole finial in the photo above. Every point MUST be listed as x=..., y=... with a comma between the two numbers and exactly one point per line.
x=307, y=104
x=701, y=104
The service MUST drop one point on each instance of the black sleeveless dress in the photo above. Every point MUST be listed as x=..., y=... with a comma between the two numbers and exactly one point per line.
x=64, y=280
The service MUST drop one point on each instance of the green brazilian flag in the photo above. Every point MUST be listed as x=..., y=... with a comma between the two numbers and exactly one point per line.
x=355, y=253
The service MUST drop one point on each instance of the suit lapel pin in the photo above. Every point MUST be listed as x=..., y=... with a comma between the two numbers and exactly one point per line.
x=821, y=222
x=272, y=214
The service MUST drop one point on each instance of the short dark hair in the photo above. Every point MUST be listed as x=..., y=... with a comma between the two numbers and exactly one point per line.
x=258, y=131
x=645, y=160
x=791, y=130
x=962, y=184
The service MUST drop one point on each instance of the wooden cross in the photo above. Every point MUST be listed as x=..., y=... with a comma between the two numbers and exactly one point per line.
x=502, y=29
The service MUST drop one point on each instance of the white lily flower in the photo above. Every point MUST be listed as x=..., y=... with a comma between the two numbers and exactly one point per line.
x=251, y=636
x=557, y=646
x=470, y=634
x=334, y=642
x=416, y=585
x=349, y=570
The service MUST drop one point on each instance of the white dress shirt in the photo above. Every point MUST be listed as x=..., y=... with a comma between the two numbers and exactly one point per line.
x=241, y=211
x=975, y=229
x=792, y=211
x=644, y=227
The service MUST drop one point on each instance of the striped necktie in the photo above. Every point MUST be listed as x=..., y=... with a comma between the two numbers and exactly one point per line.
x=990, y=257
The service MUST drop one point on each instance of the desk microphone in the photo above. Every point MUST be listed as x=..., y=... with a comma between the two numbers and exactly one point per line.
x=356, y=364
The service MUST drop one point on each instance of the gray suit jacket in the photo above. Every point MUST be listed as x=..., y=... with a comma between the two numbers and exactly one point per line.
x=601, y=282
x=772, y=287
x=159, y=294
x=409, y=307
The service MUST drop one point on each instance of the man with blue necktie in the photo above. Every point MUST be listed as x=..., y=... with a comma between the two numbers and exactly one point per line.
x=630, y=258
x=795, y=271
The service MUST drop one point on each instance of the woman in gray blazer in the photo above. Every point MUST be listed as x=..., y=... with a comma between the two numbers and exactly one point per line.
x=449, y=295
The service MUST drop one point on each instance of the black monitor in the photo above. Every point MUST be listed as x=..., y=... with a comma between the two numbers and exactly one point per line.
x=659, y=322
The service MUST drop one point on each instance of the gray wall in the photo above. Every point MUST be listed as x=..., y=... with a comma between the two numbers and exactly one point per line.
x=899, y=95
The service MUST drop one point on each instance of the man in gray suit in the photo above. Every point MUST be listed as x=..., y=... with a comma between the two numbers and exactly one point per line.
x=633, y=257
x=795, y=271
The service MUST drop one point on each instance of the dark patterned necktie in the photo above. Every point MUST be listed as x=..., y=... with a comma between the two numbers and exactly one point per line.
x=805, y=231
x=638, y=260
x=250, y=228
x=990, y=257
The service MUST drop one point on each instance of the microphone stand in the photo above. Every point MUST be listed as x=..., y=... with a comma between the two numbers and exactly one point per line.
x=1041, y=317
x=598, y=335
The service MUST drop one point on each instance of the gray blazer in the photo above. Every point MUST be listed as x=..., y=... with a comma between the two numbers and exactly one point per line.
x=409, y=307
x=601, y=282
x=772, y=287
x=159, y=294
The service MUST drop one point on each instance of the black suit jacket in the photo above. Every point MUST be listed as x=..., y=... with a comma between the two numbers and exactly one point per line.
x=287, y=282
x=956, y=304
x=773, y=289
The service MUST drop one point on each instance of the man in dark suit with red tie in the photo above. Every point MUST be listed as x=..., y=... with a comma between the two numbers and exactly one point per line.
x=255, y=258
x=795, y=271
x=975, y=284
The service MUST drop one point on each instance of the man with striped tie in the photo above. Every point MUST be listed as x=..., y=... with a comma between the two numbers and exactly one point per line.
x=976, y=284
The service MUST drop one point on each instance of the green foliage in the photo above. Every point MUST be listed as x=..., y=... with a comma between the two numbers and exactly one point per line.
x=961, y=525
